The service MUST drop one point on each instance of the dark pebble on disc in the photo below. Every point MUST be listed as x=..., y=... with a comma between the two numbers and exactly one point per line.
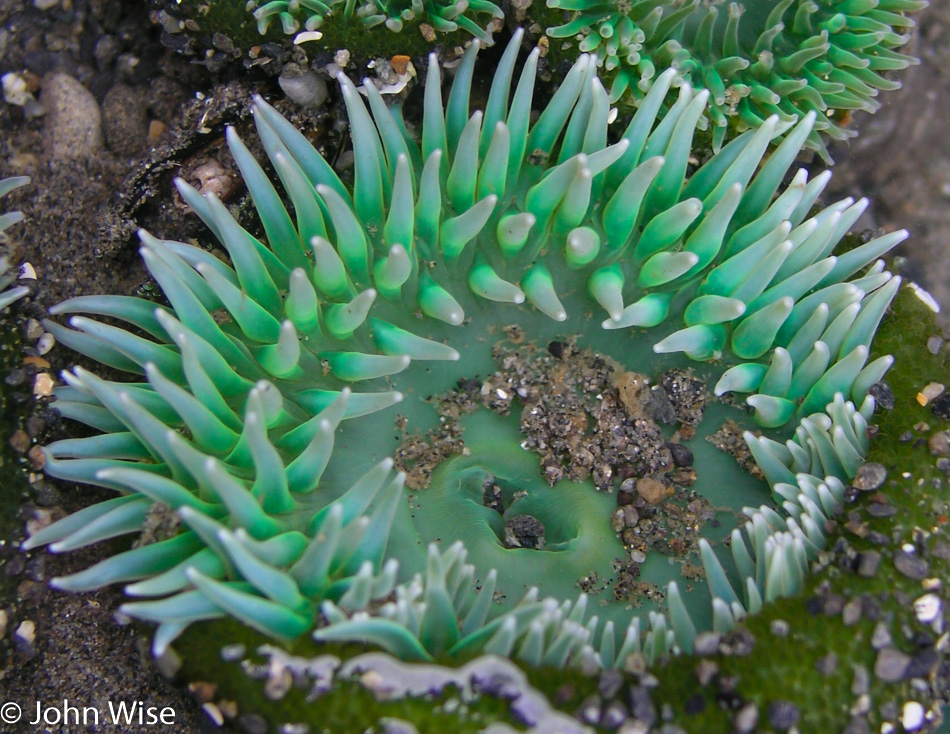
x=910, y=565
x=870, y=476
x=695, y=704
x=524, y=531
x=783, y=715
x=941, y=407
x=882, y=394
x=682, y=456
x=557, y=349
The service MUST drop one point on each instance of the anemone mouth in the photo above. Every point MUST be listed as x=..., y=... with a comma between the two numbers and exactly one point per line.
x=261, y=418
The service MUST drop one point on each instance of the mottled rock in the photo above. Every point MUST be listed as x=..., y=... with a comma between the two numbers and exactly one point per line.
x=124, y=122
x=870, y=476
x=73, y=122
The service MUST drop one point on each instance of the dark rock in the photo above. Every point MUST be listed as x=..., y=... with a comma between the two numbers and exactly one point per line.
x=941, y=407
x=124, y=122
x=524, y=531
x=783, y=715
x=882, y=394
x=557, y=349
x=924, y=663
x=658, y=406
x=682, y=455
x=695, y=704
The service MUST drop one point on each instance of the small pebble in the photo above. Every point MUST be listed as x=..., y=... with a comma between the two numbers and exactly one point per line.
x=746, y=718
x=253, y=724
x=851, y=613
x=652, y=491
x=682, y=455
x=891, y=665
x=45, y=343
x=934, y=343
x=877, y=509
x=927, y=608
x=911, y=565
x=231, y=653
x=883, y=395
x=930, y=393
x=939, y=444
x=705, y=671
x=706, y=643
x=870, y=476
x=881, y=637
x=779, y=627
x=861, y=682
x=912, y=717
x=827, y=664
x=43, y=385
x=73, y=123
x=26, y=631
x=213, y=713
x=941, y=407
x=305, y=87
x=783, y=715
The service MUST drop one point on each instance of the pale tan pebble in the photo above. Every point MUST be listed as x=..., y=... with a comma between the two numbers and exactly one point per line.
x=43, y=385
x=26, y=631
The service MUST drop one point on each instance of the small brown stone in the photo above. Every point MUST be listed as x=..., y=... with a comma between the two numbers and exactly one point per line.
x=653, y=491
x=399, y=63
x=938, y=444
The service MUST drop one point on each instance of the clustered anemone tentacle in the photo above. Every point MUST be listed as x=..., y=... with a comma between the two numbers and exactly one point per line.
x=442, y=16
x=256, y=363
x=788, y=57
x=7, y=275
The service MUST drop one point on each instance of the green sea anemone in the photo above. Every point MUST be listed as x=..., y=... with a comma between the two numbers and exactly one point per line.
x=757, y=59
x=265, y=421
x=7, y=276
x=309, y=15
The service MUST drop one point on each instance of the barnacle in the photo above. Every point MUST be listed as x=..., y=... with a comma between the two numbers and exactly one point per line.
x=443, y=17
x=756, y=58
x=263, y=419
x=9, y=295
